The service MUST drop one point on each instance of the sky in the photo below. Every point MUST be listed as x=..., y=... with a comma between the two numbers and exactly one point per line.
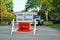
x=19, y=5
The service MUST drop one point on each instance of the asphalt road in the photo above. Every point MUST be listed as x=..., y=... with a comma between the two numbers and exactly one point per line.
x=44, y=33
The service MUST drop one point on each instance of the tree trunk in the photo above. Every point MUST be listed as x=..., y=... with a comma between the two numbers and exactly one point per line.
x=46, y=13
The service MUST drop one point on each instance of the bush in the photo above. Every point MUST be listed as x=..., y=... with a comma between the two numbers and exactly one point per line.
x=50, y=24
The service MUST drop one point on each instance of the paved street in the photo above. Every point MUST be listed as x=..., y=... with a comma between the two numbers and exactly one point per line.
x=44, y=33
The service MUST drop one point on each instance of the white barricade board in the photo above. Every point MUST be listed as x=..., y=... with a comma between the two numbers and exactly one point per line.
x=24, y=16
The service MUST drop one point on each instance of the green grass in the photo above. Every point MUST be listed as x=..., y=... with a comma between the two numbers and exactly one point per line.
x=4, y=23
x=46, y=23
x=50, y=24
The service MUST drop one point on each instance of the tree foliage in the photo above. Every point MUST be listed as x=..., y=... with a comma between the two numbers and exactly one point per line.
x=9, y=5
x=4, y=14
x=32, y=4
x=56, y=5
x=48, y=6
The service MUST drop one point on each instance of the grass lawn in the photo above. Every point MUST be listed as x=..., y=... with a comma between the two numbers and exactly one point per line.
x=50, y=24
x=46, y=23
x=4, y=23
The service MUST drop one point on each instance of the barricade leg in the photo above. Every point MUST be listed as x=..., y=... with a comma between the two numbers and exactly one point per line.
x=12, y=30
x=34, y=27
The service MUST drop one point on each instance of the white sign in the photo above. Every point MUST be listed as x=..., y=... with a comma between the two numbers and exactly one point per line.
x=24, y=16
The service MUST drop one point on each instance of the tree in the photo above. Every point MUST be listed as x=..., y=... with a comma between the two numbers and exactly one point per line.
x=9, y=5
x=56, y=5
x=38, y=4
x=33, y=4
x=45, y=5
x=4, y=14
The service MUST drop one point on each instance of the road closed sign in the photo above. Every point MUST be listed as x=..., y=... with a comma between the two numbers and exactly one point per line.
x=24, y=16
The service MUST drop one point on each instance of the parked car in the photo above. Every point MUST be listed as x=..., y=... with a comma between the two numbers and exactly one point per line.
x=38, y=19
